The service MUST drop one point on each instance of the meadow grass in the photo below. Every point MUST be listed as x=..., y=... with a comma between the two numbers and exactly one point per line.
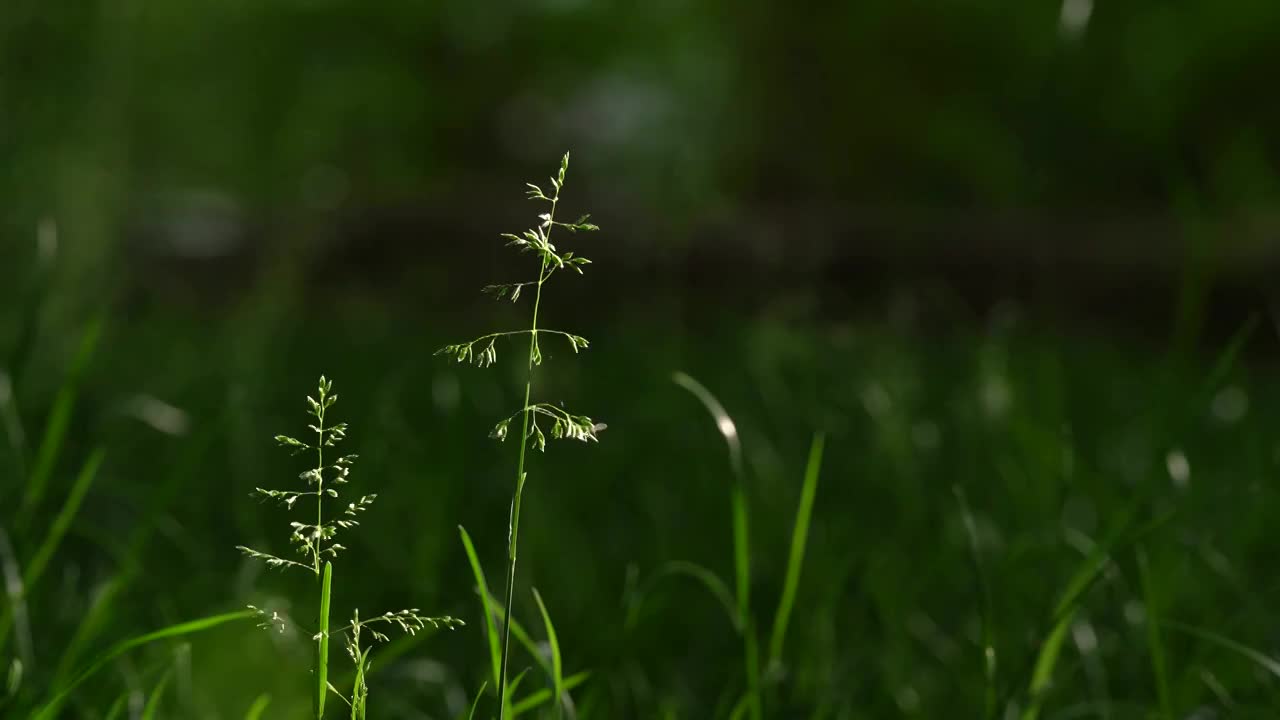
x=995, y=523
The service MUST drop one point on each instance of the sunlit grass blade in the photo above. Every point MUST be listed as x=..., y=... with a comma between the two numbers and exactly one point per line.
x=795, y=559
x=56, y=427
x=322, y=645
x=258, y=707
x=741, y=533
x=490, y=632
x=557, y=667
x=51, y=707
x=152, y=708
x=541, y=697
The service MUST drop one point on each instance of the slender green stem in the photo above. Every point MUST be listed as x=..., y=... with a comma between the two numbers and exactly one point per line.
x=322, y=648
x=513, y=532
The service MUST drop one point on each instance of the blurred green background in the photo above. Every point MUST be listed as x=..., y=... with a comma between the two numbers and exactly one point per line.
x=1016, y=253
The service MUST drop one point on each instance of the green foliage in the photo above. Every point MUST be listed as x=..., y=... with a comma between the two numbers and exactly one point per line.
x=482, y=352
x=316, y=544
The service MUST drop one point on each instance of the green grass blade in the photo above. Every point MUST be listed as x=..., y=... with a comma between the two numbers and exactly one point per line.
x=1155, y=643
x=258, y=707
x=36, y=567
x=152, y=708
x=541, y=697
x=476, y=703
x=91, y=624
x=557, y=667
x=742, y=553
x=117, y=707
x=1257, y=657
x=55, y=431
x=50, y=708
x=40, y=561
x=322, y=647
x=15, y=612
x=495, y=653
x=1084, y=578
x=989, y=666
x=708, y=579
x=513, y=686
x=795, y=560
x=522, y=637
x=751, y=666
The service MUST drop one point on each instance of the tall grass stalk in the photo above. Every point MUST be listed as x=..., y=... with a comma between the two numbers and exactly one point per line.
x=482, y=352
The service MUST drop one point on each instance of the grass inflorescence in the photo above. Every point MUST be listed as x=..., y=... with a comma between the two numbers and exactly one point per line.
x=532, y=416
x=317, y=545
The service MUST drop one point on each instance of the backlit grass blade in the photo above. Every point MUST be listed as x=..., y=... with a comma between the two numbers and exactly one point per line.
x=495, y=653
x=557, y=667
x=795, y=559
x=258, y=707
x=322, y=646
x=56, y=428
x=50, y=708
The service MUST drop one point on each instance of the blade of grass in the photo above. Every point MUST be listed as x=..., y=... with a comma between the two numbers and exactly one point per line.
x=35, y=568
x=741, y=533
x=1085, y=577
x=17, y=602
x=1257, y=657
x=91, y=624
x=258, y=707
x=55, y=431
x=476, y=703
x=322, y=647
x=117, y=707
x=557, y=667
x=50, y=708
x=1155, y=643
x=708, y=579
x=486, y=600
x=152, y=708
x=40, y=561
x=984, y=587
x=543, y=696
x=795, y=559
